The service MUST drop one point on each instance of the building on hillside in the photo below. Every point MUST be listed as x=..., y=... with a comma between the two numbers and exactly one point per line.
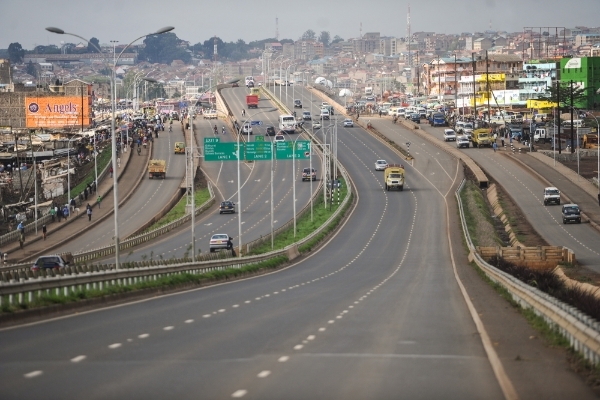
x=584, y=72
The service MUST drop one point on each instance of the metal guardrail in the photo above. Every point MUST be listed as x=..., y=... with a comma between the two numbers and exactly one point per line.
x=582, y=331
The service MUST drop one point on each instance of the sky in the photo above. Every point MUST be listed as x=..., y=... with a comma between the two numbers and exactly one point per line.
x=24, y=22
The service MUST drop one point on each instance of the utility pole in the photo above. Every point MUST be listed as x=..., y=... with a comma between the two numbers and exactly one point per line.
x=572, y=127
x=474, y=100
x=487, y=79
x=558, y=122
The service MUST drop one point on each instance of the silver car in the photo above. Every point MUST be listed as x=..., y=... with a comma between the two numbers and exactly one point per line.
x=219, y=241
x=380, y=165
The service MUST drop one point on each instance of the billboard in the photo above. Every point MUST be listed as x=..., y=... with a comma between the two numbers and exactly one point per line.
x=57, y=111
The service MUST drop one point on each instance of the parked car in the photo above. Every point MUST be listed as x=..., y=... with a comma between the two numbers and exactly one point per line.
x=297, y=103
x=227, y=207
x=270, y=130
x=219, y=241
x=462, y=141
x=307, y=175
x=380, y=165
x=571, y=213
x=49, y=262
x=279, y=138
x=348, y=123
x=306, y=116
x=551, y=195
x=449, y=135
x=247, y=129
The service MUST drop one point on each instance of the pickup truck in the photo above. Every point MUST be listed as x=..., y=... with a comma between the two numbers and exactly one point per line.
x=252, y=101
x=481, y=137
x=157, y=168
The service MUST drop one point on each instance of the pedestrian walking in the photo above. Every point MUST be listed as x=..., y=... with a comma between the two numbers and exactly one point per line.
x=44, y=231
x=510, y=140
x=89, y=212
x=66, y=213
x=502, y=139
x=73, y=204
x=59, y=213
x=111, y=171
x=99, y=200
x=494, y=146
x=52, y=213
x=243, y=112
x=119, y=162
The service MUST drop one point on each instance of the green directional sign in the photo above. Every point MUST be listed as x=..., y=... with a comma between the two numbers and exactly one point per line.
x=214, y=150
x=259, y=138
x=257, y=151
x=284, y=150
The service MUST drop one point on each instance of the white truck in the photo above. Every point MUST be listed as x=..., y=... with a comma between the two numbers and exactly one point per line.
x=543, y=135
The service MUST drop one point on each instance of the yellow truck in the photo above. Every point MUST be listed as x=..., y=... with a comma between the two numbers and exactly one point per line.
x=481, y=137
x=590, y=141
x=394, y=177
x=179, y=148
x=157, y=168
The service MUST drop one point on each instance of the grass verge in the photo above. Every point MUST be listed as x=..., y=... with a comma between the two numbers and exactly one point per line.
x=103, y=160
x=178, y=210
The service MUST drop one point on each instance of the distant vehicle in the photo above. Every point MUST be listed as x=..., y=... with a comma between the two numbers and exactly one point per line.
x=297, y=103
x=255, y=91
x=219, y=241
x=551, y=195
x=279, y=138
x=249, y=81
x=49, y=262
x=227, y=207
x=306, y=116
x=571, y=213
x=324, y=113
x=251, y=101
x=179, y=148
x=438, y=119
x=368, y=90
x=287, y=123
x=316, y=125
x=463, y=141
x=247, y=129
x=394, y=177
x=210, y=114
x=270, y=130
x=348, y=123
x=449, y=135
x=416, y=118
x=307, y=175
x=157, y=168
x=235, y=84
x=380, y=165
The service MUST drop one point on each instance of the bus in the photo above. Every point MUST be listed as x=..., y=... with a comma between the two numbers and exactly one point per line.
x=287, y=123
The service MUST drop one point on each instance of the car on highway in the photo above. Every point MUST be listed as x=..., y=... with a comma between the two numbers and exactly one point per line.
x=297, y=103
x=380, y=165
x=325, y=113
x=227, y=207
x=306, y=116
x=307, y=175
x=462, y=141
x=279, y=138
x=235, y=84
x=247, y=129
x=49, y=262
x=571, y=213
x=551, y=195
x=348, y=123
x=416, y=118
x=449, y=135
x=219, y=241
x=270, y=130
x=316, y=125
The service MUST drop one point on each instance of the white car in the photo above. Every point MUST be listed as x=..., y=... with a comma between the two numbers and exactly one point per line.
x=219, y=241
x=279, y=138
x=449, y=135
x=462, y=141
x=247, y=129
x=348, y=123
x=316, y=125
x=380, y=165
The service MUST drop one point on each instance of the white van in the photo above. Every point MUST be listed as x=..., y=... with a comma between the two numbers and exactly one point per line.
x=287, y=123
x=577, y=123
x=324, y=113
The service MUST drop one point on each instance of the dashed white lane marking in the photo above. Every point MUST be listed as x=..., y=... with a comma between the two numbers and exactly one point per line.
x=298, y=347
x=188, y=321
x=235, y=305
x=143, y=335
x=168, y=328
x=283, y=358
x=222, y=310
x=322, y=329
x=330, y=321
x=33, y=374
x=311, y=337
x=264, y=374
x=239, y=393
x=78, y=359
x=114, y=346
x=206, y=316
x=247, y=302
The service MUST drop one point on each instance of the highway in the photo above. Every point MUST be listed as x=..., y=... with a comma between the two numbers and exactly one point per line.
x=149, y=198
x=381, y=312
x=255, y=185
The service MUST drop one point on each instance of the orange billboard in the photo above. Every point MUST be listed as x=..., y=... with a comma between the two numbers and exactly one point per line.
x=57, y=111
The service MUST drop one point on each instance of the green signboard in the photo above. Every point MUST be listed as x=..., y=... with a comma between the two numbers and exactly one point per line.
x=283, y=150
x=214, y=150
x=257, y=151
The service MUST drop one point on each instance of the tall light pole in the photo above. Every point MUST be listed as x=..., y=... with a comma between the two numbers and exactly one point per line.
x=597, y=149
x=239, y=188
x=113, y=137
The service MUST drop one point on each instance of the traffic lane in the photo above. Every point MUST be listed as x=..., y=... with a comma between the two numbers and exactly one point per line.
x=148, y=200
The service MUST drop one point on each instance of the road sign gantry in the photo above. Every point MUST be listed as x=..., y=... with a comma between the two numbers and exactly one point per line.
x=215, y=150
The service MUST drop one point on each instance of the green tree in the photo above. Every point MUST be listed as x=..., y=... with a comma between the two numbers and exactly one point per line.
x=31, y=69
x=164, y=49
x=176, y=95
x=50, y=49
x=563, y=91
x=336, y=39
x=309, y=35
x=91, y=48
x=15, y=53
x=325, y=38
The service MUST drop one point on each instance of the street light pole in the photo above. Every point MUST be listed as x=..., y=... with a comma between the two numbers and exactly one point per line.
x=113, y=136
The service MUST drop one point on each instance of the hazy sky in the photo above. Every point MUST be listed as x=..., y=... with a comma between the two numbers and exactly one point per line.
x=23, y=21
